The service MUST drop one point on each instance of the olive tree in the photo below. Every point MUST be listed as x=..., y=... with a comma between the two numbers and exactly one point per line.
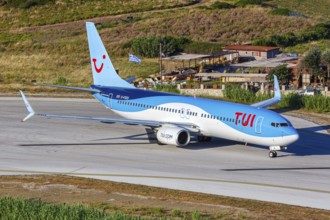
x=326, y=60
x=282, y=72
x=311, y=63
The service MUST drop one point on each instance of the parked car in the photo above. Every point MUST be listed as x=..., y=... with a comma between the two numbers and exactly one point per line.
x=307, y=92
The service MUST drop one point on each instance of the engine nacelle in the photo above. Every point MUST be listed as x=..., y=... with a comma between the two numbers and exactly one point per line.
x=173, y=136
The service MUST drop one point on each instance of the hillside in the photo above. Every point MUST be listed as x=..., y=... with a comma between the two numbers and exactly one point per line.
x=316, y=9
x=47, y=43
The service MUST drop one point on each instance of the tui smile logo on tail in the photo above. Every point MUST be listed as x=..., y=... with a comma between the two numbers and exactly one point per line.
x=98, y=70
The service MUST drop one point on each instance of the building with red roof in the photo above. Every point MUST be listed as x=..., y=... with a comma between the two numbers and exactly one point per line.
x=254, y=52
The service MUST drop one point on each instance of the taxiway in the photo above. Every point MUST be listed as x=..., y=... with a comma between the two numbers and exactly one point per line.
x=298, y=176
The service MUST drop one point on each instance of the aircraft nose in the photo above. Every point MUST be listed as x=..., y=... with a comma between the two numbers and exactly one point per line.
x=292, y=136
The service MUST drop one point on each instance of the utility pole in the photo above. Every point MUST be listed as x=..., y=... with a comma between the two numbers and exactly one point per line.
x=160, y=63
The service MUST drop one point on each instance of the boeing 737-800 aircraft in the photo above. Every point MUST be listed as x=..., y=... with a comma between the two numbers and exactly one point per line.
x=175, y=118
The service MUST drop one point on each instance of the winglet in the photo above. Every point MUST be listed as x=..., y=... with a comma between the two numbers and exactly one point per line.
x=277, y=91
x=28, y=106
x=276, y=99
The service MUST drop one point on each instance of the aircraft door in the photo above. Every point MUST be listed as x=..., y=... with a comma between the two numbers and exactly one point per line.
x=258, y=128
x=185, y=113
x=110, y=100
x=188, y=113
x=182, y=112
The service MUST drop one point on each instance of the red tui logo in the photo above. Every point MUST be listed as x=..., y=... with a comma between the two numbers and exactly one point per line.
x=98, y=69
x=245, y=120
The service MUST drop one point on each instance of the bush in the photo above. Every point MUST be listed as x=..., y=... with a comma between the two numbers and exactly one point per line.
x=237, y=94
x=149, y=46
x=25, y=4
x=243, y=3
x=221, y=5
x=316, y=103
x=318, y=32
x=61, y=80
x=167, y=88
x=202, y=47
x=292, y=101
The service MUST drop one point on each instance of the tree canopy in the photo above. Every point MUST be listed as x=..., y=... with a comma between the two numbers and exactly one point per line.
x=282, y=72
x=149, y=46
x=325, y=58
x=311, y=63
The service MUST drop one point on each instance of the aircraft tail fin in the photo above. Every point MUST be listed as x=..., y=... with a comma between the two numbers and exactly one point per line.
x=104, y=74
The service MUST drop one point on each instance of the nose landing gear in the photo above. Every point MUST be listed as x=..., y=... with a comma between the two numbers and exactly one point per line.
x=273, y=149
x=272, y=154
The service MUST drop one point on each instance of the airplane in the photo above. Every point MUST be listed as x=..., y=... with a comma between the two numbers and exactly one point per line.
x=175, y=118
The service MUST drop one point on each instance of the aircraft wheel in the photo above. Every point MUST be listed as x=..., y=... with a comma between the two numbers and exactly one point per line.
x=272, y=154
x=160, y=143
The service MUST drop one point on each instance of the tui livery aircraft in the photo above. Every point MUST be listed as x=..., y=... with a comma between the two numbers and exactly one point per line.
x=174, y=118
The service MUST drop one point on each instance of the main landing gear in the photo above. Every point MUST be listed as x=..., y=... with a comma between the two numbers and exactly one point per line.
x=202, y=138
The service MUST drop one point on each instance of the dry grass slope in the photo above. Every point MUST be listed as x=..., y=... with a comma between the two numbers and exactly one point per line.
x=47, y=54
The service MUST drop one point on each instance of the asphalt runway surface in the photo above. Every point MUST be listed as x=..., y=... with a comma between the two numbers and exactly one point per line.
x=123, y=153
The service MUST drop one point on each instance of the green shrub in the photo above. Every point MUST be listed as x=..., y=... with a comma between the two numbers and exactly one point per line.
x=61, y=80
x=202, y=47
x=176, y=213
x=316, y=103
x=167, y=88
x=221, y=5
x=317, y=32
x=149, y=46
x=25, y=4
x=235, y=93
x=292, y=101
x=243, y=3
x=196, y=215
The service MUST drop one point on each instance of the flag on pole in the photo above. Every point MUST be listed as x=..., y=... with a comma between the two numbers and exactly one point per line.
x=135, y=59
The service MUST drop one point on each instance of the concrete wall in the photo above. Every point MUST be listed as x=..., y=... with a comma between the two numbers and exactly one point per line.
x=259, y=54
x=202, y=92
x=219, y=92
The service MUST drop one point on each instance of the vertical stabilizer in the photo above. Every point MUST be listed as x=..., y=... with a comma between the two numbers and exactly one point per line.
x=104, y=73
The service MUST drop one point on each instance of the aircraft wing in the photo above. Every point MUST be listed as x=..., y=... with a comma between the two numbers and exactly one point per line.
x=74, y=88
x=276, y=99
x=154, y=124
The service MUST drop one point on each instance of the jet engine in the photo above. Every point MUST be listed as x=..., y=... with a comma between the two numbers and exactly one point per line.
x=173, y=136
